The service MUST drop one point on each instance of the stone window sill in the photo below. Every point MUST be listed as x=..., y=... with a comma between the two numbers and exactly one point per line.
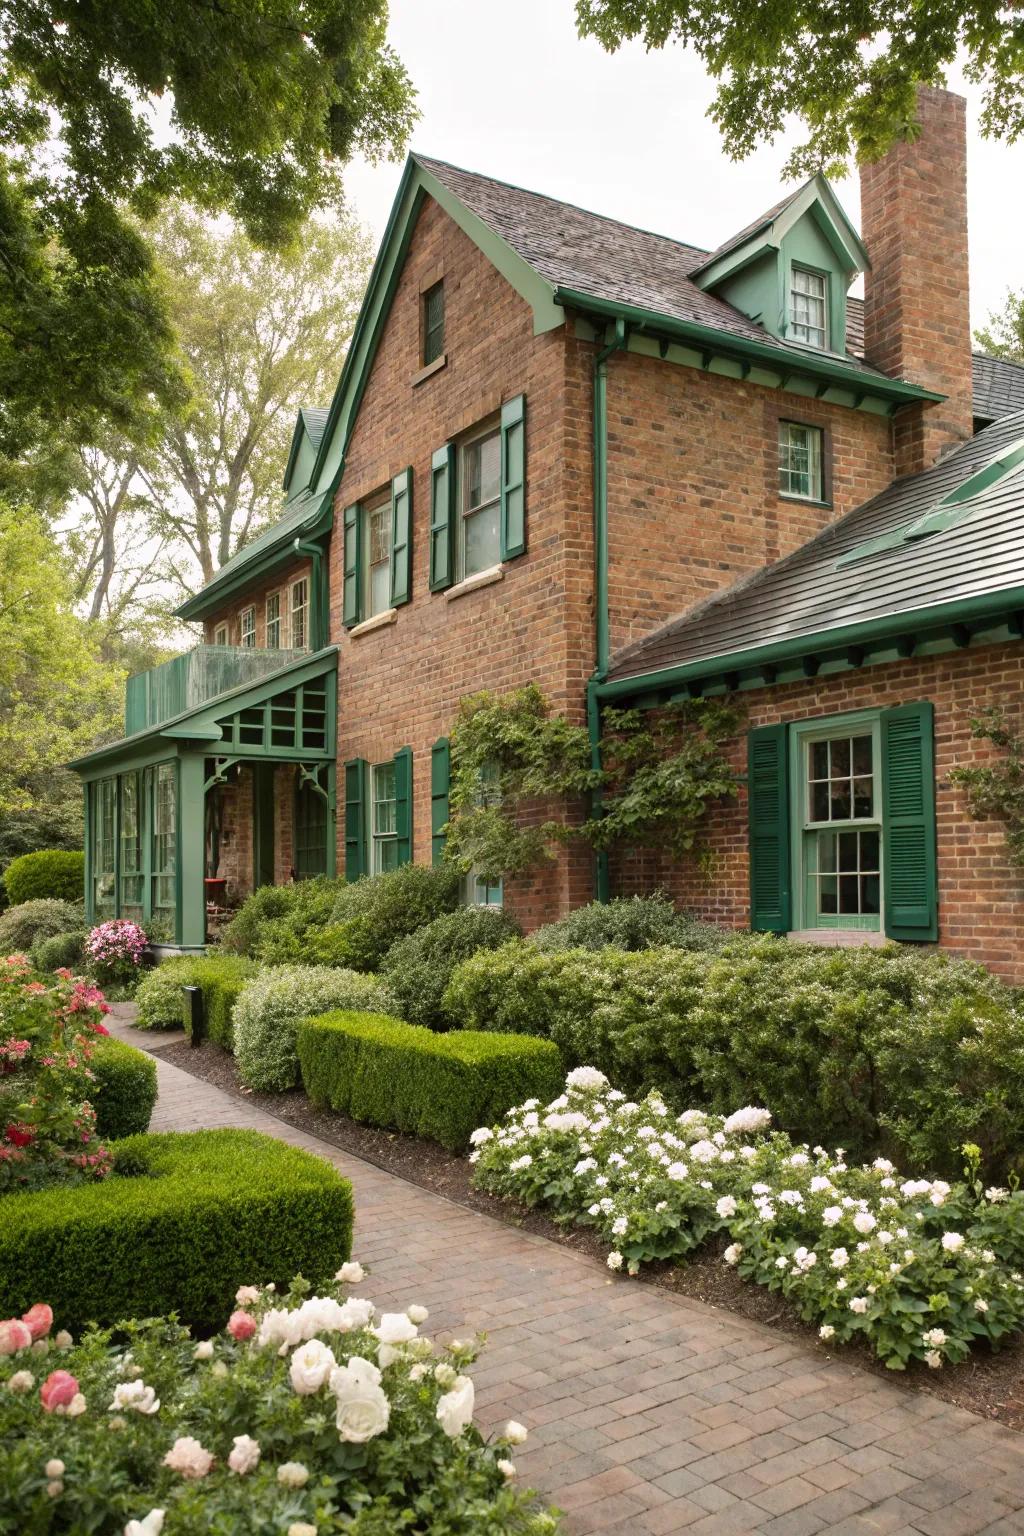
x=379, y=621
x=838, y=938
x=429, y=371
x=471, y=583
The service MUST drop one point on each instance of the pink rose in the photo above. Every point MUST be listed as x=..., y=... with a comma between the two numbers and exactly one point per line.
x=38, y=1320
x=58, y=1390
x=14, y=1335
x=241, y=1326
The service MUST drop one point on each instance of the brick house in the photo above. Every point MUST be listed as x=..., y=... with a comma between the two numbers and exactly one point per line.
x=568, y=451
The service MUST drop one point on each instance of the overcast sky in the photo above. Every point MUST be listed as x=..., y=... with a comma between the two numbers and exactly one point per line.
x=510, y=90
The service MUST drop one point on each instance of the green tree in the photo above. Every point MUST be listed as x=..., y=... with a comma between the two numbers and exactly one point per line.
x=1004, y=334
x=848, y=69
x=247, y=107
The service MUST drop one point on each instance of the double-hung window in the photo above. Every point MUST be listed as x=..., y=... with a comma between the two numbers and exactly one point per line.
x=433, y=323
x=808, y=307
x=377, y=543
x=132, y=881
x=299, y=614
x=273, y=621
x=479, y=532
x=247, y=628
x=220, y=635
x=801, y=461
x=841, y=828
x=383, y=819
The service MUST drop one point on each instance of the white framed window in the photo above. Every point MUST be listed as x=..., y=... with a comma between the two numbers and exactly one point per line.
x=273, y=621
x=220, y=635
x=377, y=565
x=808, y=307
x=801, y=461
x=478, y=892
x=298, y=617
x=247, y=628
x=383, y=818
x=838, y=823
x=479, y=530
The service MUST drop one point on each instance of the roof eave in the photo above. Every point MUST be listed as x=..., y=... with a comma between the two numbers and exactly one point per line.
x=278, y=552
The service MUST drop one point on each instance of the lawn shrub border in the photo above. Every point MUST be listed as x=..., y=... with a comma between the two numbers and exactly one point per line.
x=388, y=1073
x=205, y=1212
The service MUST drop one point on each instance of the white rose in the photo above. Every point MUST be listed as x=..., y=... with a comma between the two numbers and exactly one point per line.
x=677, y=1172
x=204, y=1350
x=417, y=1314
x=507, y=1468
x=864, y=1222
x=933, y=1359
x=355, y=1314
x=151, y=1525
x=247, y=1295
x=586, y=1078
x=351, y=1274
x=952, y=1242
x=393, y=1330
x=726, y=1206
x=78, y=1406
x=455, y=1408
x=244, y=1455
x=292, y=1474
x=515, y=1433
x=301, y=1528
x=826, y=1331
x=22, y=1381
x=63, y=1340
x=858, y=1304
x=614, y=1260
x=732, y=1253
x=444, y=1374
x=363, y=1407
x=135, y=1395
x=419, y=1370
x=312, y=1363
x=746, y=1119
x=840, y=1258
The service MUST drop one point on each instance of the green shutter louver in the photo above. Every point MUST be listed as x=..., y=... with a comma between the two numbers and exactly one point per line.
x=352, y=599
x=440, y=781
x=768, y=810
x=355, y=818
x=909, y=875
x=442, y=513
x=401, y=537
x=403, y=803
x=513, y=478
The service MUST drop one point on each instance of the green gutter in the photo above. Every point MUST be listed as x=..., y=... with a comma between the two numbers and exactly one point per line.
x=318, y=605
x=782, y=360
x=822, y=643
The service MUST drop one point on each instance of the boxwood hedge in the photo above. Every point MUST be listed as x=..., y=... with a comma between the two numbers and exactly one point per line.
x=438, y=1085
x=192, y=1217
x=57, y=873
x=125, y=1088
x=220, y=978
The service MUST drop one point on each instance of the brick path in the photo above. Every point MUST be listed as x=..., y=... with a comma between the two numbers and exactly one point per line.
x=649, y=1413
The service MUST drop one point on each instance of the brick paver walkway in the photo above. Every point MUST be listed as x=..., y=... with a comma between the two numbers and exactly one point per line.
x=649, y=1413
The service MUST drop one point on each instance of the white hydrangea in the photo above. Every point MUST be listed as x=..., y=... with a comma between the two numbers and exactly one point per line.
x=746, y=1121
x=732, y=1253
x=586, y=1079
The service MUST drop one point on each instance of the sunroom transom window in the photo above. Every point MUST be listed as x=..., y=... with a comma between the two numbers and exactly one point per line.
x=480, y=503
x=801, y=459
x=377, y=543
x=808, y=307
x=840, y=829
x=383, y=818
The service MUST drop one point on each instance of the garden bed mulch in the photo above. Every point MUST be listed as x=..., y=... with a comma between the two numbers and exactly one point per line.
x=991, y=1385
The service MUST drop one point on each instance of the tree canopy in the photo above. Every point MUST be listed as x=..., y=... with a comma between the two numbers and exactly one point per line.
x=106, y=111
x=848, y=69
x=1004, y=334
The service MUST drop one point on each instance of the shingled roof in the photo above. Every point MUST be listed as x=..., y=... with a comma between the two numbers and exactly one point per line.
x=809, y=595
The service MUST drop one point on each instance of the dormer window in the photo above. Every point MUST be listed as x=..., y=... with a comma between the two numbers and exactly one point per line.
x=808, y=307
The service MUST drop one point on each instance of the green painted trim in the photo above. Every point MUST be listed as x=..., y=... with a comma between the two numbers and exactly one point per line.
x=784, y=360
x=602, y=884
x=190, y=854
x=602, y=620
x=816, y=198
x=800, y=732
x=768, y=818
x=319, y=602
x=279, y=553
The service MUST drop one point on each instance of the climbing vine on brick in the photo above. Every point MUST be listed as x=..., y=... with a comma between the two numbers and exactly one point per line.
x=995, y=790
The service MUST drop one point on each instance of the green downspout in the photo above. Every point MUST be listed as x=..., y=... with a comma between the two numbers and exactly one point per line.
x=601, y=614
x=318, y=608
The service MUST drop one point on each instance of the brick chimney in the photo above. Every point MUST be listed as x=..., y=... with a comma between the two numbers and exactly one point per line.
x=916, y=302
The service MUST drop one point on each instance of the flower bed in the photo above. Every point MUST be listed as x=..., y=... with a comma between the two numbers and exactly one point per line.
x=115, y=950
x=183, y=1221
x=919, y=1268
x=305, y=1414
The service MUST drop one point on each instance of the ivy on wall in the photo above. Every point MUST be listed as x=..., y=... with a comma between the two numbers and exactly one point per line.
x=519, y=774
x=995, y=790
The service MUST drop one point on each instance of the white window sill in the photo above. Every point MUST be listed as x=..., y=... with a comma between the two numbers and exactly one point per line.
x=839, y=938
x=471, y=583
x=379, y=621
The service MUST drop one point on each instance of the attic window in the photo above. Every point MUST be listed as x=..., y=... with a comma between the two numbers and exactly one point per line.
x=433, y=323
x=808, y=307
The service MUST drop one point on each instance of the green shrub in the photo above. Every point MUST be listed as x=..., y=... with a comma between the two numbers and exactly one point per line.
x=894, y=1050
x=419, y=967
x=442, y=1086
x=125, y=1089
x=213, y=1210
x=21, y=927
x=161, y=1002
x=52, y=872
x=373, y=914
x=630, y=922
x=280, y=914
x=62, y=951
x=267, y=1011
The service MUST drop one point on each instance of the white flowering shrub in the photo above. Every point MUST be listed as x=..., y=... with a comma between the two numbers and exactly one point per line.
x=918, y=1267
x=268, y=1009
x=307, y=1414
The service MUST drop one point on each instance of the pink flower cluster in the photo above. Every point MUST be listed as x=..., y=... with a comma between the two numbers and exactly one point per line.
x=118, y=941
x=13, y=1053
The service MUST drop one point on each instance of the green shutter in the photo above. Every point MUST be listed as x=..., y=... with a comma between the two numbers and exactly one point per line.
x=513, y=477
x=353, y=585
x=768, y=810
x=909, y=878
x=440, y=779
x=355, y=818
x=401, y=537
x=442, y=510
x=403, y=803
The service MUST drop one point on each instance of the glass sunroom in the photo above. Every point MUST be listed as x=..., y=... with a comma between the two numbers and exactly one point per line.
x=211, y=793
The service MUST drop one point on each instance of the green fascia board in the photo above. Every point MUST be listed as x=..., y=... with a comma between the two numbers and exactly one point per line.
x=816, y=200
x=417, y=183
x=298, y=437
x=199, y=724
x=274, y=548
x=986, y=605
x=785, y=361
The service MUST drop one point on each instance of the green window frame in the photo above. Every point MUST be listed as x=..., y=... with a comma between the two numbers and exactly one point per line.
x=478, y=540
x=310, y=833
x=433, y=323
x=837, y=848
x=383, y=818
x=273, y=621
x=377, y=552
x=801, y=461
x=808, y=307
x=163, y=791
x=104, y=849
x=440, y=789
x=298, y=616
x=376, y=541
x=131, y=881
x=478, y=892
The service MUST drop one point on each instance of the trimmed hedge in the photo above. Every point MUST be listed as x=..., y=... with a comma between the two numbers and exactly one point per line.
x=270, y=1007
x=51, y=872
x=221, y=978
x=402, y=1075
x=62, y=950
x=894, y=1050
x=194, y=1216
x=419, y=967
x=23, y=926
x=125, y=1089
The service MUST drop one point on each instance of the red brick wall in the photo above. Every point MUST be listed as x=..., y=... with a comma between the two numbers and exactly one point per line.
x=236, y=847
x=693, y=484
x=917, y=322
x=981, y=895
x=256, y=596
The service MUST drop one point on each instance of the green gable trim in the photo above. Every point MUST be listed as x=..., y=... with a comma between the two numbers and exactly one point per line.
x=815, y=200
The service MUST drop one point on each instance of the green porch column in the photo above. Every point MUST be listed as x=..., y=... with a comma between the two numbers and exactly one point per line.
x=191, y=862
